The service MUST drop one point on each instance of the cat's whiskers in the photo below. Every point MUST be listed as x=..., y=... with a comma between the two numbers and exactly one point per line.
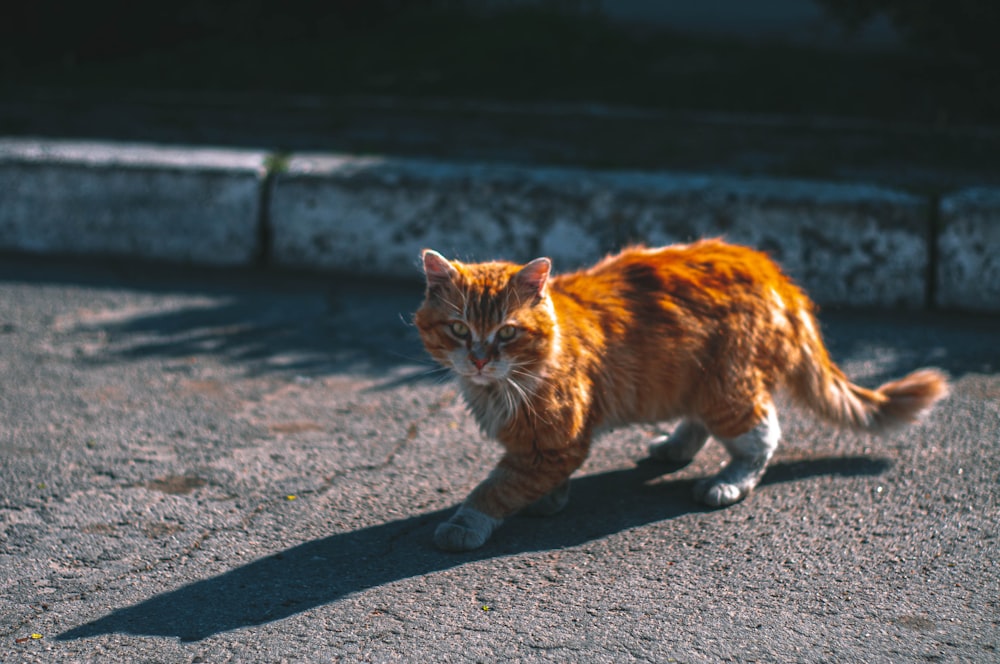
x=510, y=402
x=440, y=375
x=454, y=307
x=533, y=377
x=526, y=392
x=431, y=371
x=465, y=304
x=507, y=308
x=519, y=393
x=428, y=367
x=421, y=360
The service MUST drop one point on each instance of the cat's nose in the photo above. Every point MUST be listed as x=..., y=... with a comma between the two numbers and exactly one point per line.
x=479, y=356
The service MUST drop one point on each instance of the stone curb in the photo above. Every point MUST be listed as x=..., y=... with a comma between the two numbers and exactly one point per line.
x=856, y=245
x=185, y=205
x=968, y=251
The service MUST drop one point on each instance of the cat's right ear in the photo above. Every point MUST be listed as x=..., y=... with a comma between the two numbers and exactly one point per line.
x=437, y=269
x=531, y=279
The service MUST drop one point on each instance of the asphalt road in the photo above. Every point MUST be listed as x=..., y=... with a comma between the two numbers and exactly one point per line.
x=205, y=466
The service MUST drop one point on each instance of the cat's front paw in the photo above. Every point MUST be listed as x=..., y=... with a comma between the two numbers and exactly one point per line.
x=466, y=530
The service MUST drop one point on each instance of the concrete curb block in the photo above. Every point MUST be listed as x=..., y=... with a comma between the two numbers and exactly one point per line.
x=190, y=205
x=847, y=244
x=968, y=251
x=855, y=245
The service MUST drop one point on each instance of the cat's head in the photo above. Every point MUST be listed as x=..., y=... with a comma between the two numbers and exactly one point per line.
x=490, y=323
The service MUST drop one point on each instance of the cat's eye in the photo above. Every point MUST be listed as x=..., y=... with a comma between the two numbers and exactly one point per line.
x=459, y=329
x=506, y=333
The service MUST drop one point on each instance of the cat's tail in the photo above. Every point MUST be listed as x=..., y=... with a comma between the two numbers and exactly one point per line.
x=820, y=385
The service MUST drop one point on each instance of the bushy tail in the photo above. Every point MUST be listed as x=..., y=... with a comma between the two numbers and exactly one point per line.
x=822, y=386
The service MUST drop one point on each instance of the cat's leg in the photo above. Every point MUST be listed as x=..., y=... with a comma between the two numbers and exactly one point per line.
x=516, y=482
x=682, y=445
x=551, y=503
x=750, y=454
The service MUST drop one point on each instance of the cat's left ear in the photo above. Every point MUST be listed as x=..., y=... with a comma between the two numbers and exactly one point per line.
x=437, y=269
x=531, y=278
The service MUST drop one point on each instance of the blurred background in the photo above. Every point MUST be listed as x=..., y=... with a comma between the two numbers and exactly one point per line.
x=902, y=92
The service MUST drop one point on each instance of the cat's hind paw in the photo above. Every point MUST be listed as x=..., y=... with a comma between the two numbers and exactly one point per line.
x=715, y=493
x=550, y=503
x=466, y=530
x=682, y=445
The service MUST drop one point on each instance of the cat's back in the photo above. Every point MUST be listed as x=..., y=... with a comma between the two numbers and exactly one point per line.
x=706, y=273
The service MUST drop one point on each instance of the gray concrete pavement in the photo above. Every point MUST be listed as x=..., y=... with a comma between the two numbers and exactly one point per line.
x=209, y=466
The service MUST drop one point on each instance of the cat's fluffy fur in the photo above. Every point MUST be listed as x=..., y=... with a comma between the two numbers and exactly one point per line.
x=704, y=332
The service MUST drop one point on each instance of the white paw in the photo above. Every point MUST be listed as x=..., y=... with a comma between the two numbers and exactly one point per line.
x=466, y=530
x=714, y=493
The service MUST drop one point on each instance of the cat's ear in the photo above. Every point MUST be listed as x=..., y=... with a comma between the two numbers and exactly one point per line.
x=437, y=269
x=531, y=278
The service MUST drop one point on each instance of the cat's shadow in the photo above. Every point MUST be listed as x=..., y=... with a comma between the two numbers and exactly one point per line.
x=325, y=570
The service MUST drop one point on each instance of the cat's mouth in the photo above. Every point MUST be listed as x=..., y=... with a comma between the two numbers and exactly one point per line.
x=484, y=376
x=480, y=379
x=490, y=373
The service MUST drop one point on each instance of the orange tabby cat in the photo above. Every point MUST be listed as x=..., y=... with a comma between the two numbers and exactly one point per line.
x=705, y=332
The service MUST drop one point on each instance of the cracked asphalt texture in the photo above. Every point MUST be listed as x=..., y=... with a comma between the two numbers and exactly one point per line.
x=203, y=466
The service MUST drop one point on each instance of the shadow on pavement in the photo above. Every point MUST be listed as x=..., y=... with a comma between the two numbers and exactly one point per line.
x=326, y=570
x=895, y=343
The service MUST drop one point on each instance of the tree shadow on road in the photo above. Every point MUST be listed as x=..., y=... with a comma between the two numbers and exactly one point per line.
x=326, y=570
x=261, y=321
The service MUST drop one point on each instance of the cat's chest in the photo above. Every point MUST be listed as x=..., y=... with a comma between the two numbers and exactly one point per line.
x=491, y=407
x=543, y=418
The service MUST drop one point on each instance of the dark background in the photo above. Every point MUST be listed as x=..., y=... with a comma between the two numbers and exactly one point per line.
x=361, y=75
